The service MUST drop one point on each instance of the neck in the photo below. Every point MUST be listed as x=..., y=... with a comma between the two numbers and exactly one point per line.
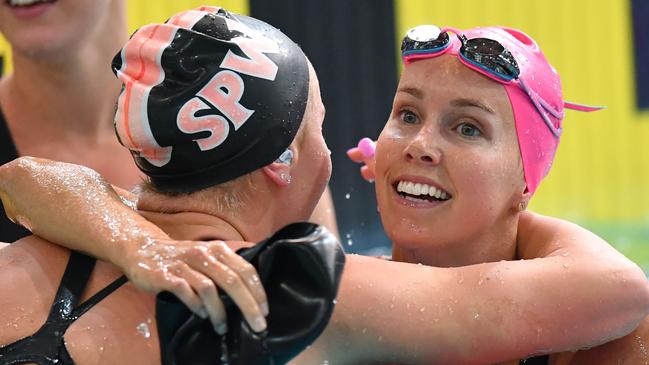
x=194, y=226
x=67, y=91
x=498, y=243
x=196, y=218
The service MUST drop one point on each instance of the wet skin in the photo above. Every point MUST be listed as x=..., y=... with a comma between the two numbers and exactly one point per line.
x=451, y=128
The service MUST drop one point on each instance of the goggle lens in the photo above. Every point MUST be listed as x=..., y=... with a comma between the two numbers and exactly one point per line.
x=491, y=56
x=424, y=38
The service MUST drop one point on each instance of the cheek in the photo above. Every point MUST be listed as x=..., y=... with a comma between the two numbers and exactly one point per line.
x=389, y=148
x=487, y=181
x=319, y=155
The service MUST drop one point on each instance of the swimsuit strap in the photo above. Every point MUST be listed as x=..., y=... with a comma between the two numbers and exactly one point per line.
x=98, y=297
x=47, y=346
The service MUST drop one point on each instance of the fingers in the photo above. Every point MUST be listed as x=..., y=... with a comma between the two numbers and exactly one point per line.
x=364, y=153
x=207, y=291
x=179, y=286
x=246, y=271
x=367, y=174
x=233, y=284
x=355, y=155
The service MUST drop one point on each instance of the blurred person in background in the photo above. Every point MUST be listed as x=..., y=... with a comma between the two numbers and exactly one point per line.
x=59, y=101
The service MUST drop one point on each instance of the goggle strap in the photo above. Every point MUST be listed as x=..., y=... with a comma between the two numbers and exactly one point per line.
x=537, y=99
x=542, y=107
x=582, y=107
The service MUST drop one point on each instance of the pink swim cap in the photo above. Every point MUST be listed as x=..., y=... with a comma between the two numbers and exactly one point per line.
x=537, y=141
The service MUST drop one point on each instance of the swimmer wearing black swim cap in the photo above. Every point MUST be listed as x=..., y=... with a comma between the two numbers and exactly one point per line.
x=208, y=96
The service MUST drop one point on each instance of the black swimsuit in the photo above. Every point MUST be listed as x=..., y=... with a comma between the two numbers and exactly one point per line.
x=9, y=232
x=47, y=345
x=539, y=360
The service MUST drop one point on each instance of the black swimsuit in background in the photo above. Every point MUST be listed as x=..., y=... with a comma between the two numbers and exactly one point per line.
x=9, y=231
x=47, y=345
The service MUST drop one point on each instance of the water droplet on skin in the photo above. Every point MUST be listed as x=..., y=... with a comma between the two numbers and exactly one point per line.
x=143, y=329
x=286, y=177
x=566, y=266
x=229, y=280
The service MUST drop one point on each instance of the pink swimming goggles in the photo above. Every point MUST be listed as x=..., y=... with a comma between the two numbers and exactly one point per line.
x=529, y=78
x=483, y=55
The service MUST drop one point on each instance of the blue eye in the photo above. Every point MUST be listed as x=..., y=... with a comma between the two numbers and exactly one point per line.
x=409, y=117
x=468, y=130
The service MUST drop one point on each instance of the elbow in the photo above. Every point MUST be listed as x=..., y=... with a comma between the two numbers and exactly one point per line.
x=633, y=281
x=640, y=286
x=17, y=170
x=8, y=170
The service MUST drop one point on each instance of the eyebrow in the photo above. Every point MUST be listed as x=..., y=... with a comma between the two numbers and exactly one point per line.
x=412, y=91
x=463, y=102
x=471, y=103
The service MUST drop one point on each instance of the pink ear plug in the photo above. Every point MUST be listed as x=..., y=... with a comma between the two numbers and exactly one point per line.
x=367, y=147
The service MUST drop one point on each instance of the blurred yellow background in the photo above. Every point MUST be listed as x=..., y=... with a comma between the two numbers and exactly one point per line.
x=601, y=174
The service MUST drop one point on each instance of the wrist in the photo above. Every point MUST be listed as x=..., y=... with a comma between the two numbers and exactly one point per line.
x=131, y=248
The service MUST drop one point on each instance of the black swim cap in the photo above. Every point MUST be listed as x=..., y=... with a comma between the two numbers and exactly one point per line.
x=208, y=96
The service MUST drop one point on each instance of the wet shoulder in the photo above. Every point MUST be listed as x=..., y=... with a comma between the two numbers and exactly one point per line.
x=30, y=273
x=30, y=270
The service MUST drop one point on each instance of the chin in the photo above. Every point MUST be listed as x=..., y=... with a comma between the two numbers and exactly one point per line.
x=408, y=234
x=39, y=45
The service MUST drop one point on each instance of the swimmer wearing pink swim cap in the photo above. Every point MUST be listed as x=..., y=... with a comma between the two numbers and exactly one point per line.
x=515, y=60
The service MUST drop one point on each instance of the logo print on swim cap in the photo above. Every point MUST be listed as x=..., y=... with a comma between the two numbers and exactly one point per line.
x=208, y=96
x=225, y=89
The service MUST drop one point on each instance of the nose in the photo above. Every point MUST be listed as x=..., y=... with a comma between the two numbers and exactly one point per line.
x=423, y=150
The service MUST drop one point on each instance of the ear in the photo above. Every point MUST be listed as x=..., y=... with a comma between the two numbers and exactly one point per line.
x=279, y=173
x=523, y=201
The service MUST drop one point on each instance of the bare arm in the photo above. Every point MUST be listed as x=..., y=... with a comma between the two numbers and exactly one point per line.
x=75, y=207
x=581, y=293
x=400, y=312
x=48, y=197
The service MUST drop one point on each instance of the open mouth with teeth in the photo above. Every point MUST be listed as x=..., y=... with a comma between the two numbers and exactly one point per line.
x=420, y=192
x=26, y=3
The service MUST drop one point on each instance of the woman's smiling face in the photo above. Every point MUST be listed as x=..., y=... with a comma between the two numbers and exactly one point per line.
x=448, y=168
